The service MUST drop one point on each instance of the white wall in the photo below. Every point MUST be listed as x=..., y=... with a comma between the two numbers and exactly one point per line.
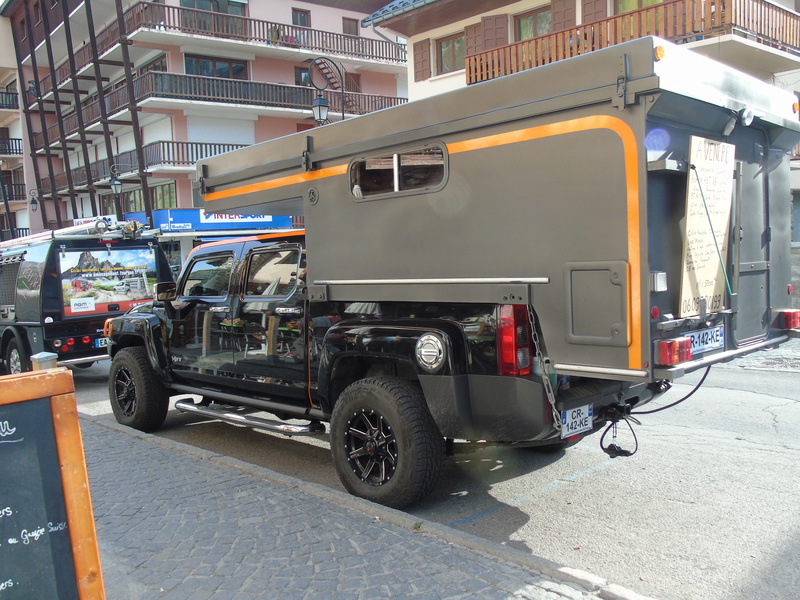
x=224, y=131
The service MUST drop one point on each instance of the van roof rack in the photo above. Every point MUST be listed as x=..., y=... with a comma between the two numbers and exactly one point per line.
x=100, y=229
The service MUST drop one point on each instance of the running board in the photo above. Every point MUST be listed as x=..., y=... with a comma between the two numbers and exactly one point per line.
x=242, y=418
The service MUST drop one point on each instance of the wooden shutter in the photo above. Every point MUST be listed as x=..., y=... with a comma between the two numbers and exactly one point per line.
x=495, y=31
x=563, y=14
x=422, y=60
x=473, y=40
x=593, y=10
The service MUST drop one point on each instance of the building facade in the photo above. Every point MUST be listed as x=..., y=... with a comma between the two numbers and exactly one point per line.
x=136, y=92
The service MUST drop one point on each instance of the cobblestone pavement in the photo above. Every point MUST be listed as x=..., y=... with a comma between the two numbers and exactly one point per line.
x=174, y=522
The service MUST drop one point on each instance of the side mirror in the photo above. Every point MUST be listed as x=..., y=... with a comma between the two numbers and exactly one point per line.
x=165, y=291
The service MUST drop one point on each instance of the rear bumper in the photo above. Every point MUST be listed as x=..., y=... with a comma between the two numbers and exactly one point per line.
x=671, y=373
x=514, y=409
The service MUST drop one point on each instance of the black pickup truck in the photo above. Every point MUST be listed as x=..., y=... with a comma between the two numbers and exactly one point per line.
x=394, y=380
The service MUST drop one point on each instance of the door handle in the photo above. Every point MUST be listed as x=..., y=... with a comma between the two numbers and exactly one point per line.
x=219, y=309
x=287, y=310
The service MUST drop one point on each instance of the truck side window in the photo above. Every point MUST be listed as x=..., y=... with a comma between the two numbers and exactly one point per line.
x=421, y=169
x=273, y=274
x=209, y=276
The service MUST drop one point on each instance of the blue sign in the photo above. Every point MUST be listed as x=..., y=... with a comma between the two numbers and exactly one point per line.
x=196, y=219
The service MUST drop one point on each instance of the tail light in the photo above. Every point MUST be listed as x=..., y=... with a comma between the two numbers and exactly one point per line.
x=674, y=351
x=789, y=319
x=514, y=340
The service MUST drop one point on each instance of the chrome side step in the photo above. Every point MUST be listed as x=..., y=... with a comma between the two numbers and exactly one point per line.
x=242, y=417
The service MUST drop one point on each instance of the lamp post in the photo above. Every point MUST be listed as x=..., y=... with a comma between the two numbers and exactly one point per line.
x=320, y=105
x=34, y=203
x=116, y=186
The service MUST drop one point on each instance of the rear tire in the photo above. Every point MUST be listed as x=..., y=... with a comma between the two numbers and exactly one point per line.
x=17, y=360
x=385, y=444
x=138, y=398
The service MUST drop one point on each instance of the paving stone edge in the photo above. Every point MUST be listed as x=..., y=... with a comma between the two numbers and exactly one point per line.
x=588, y=581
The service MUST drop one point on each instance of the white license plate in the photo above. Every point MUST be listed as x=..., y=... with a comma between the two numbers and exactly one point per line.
x=707, y=339
x=576, y=420
x=101, y=342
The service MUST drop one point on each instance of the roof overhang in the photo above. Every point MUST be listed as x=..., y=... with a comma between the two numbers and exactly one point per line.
x=413, y=17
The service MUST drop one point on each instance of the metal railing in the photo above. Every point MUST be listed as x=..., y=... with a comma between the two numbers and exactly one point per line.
x=678, y=21
x=9, y=100
x=217, y=90
x=156, y=154
x=10, y=146
x=160, y=17
x=15, y=192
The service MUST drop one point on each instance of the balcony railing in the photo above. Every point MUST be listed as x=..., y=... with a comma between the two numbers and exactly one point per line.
x=217, y=90
x=15, y=192
x=678, y=21
x=160, y=17
x=157, y=154
x=9, y=100
x=10, y=146
x=18, y=233
x=200, y=22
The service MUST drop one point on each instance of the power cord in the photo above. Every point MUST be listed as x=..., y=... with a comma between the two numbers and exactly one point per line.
x=686, y=397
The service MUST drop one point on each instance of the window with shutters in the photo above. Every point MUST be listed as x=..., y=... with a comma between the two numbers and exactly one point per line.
x=532, y=24
x=450, y=54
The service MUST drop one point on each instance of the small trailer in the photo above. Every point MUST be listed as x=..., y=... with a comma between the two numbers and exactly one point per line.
x=522, y=261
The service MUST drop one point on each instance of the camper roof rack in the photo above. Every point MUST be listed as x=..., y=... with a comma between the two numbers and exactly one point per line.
x=100, y=228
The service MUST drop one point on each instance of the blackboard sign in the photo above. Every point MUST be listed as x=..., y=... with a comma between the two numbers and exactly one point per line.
x=48, y=547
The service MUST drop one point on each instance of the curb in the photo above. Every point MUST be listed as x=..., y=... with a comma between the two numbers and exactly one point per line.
x=542, y=566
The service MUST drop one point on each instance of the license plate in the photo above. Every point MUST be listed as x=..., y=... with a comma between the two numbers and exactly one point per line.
x=101, y=342
x=576, y=420
x=707, y=339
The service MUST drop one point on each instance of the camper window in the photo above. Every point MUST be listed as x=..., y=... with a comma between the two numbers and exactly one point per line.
x=421, y=169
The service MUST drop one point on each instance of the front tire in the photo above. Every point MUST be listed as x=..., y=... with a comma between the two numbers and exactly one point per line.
x=17, y=360
x=385, y=444
x=138, y=398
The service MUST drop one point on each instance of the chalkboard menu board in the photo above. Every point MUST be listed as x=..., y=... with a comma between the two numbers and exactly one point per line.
x=48, y=547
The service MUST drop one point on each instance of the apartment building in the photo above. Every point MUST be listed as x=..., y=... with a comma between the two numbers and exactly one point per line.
x=12, y=189
x=134, y=93
x=453, y=43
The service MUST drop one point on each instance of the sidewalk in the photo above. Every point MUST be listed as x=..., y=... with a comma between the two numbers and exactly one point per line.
x=175, y=522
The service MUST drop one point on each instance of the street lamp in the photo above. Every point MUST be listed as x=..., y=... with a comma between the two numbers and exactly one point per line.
x=320, y=105
x=34, y=203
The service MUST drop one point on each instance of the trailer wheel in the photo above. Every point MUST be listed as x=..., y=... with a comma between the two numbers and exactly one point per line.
x=385, y=445
x=138, y=398
x=16, y=359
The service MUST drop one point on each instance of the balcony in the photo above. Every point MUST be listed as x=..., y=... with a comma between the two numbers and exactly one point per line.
x=162, y=24
x=164, y=89
x=158, y=156
x=15, y=192
x=10, y=146
x=18, y=233
x=680, y=21
x=9, y=101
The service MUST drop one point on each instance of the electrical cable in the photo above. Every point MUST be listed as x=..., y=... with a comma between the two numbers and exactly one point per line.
x=686, y=397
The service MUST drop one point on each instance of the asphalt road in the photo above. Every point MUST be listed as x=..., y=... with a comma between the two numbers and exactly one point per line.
x=707, y=507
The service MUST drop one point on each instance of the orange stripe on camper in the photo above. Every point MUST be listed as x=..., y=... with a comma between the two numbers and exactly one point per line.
x=271, y=184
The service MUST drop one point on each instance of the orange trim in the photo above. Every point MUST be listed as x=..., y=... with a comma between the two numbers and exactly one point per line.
x=276, y=183
x=248, y=238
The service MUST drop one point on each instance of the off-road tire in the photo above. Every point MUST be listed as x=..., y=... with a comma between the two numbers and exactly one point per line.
x=16, y=359
x=385, y=444
x=138, y=398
